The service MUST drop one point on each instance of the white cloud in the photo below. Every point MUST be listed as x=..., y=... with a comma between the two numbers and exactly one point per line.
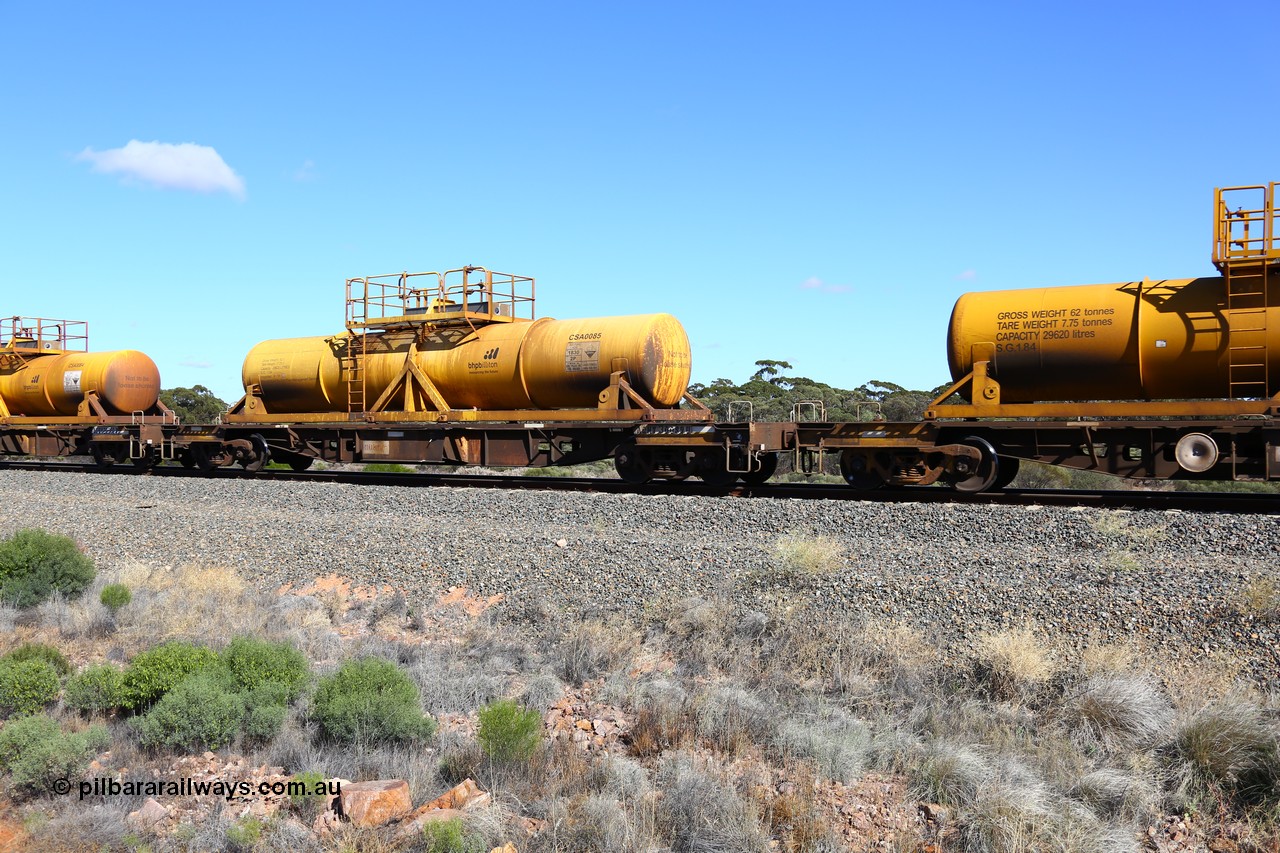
x=967, y=275
x=815, y=283
x=186, y=166
x=306, y=172
x=201, y=365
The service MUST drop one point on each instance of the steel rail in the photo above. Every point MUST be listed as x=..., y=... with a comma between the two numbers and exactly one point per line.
x=1236, y=502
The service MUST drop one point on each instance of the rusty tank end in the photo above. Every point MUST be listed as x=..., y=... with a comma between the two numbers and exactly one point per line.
x=534, y=364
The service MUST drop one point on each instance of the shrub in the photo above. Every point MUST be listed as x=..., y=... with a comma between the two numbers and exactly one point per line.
x=305, y=796
x=370, y=700
x=35, y=564
x=254, y=662
x=95, y=689
x=263, y=722
x=153, y=673
x=200, y=712
x=797, y=556
x=266, y=707
x=448, y=836
x=37, y=752
x=509, y=732
x=114, y=596
x=245, y=833
x=27, y=686
x=41, y=651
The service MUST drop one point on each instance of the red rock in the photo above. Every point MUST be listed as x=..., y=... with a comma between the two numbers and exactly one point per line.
x=148, y=816
x=375, y=803
x=465, y=794
x=326, y=823
x=424, y=816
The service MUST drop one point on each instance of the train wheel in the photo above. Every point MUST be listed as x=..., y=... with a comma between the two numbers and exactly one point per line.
x=631, y=465
x=103, y=456
x=766, y=464
x=261, y=454
x=858, y=472
x=1009, y=466
x=301, y=463
x=714, y=471
x=186, y=459
x=204, y=457
x=972, y=478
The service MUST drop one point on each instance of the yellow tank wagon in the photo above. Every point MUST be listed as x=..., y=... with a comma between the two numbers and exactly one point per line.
x=464, y=345
x=44, y=374
x=540, y=364
x=59, y=399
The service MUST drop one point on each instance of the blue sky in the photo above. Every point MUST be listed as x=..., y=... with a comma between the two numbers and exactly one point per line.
x=812, y=182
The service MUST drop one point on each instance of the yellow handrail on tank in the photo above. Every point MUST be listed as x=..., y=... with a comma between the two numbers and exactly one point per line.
x=32, y=335
x=1246, y=234
x=465, y=296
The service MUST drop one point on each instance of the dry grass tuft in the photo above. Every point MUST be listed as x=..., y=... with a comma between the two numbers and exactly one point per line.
x=1225, y=755
x=1013, y=663
x=1201, y=679
x=1107, y=658
x=184, y=602
x=733, y=719
x=1260, y=598
x=701, y=811
x=837, y=742
x=591, y=648
x=798, y=556
x=1119, y=525
x=948, y=773
x=1116, y=795
x=1119, y=711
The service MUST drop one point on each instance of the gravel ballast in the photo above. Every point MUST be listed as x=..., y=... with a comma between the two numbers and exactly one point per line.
x=953, y=569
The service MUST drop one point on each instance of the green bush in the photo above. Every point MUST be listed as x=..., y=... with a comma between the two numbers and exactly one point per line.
x=95, y=689
x=245, y=833
x=35, y=564
x=266, y=707
x=306, y=800
x=448, y=836
x=263, y=722
x=114, y=596
x=370, y=700
x=153, y=673
x=37, y=752
x=27, y=686
x=508, y=731
x=41, y=651
x=255, y=662
x=200, y=712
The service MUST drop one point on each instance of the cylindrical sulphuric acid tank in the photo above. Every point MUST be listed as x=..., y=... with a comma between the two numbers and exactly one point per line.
x=126, y=381
x=1131, y=341
x=540, y=364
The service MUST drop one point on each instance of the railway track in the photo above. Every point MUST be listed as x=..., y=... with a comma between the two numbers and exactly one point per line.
x=1112, y=499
